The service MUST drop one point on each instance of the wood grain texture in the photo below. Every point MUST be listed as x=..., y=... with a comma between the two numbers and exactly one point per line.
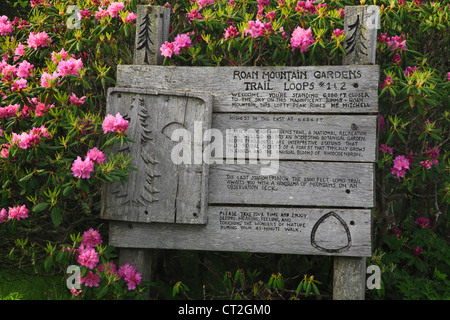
x=152, y=30
x=360, y=26
x=318, y=89
x=297, y=183
x=160, y=190
x=342, y=232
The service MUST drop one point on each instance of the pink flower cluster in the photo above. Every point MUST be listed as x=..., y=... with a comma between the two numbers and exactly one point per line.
x=6, y=26
x=182, y=41
x=115, y=124
x=230, y=32
x=14, y=213
x=28, y=140
x=337, y=33
x=9, y=111
x=423, y=223
x=432, y=155
x=385, y=149
x=77, y=101
x=258, y=28
x=302, y=39
x=131, y=277
x=83, y=168
x=89, y=258
x=69, y=67
x=401, y=164
x=40, y=39
x=395, y=41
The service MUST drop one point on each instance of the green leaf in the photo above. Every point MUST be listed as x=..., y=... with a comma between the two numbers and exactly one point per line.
x=56, y=216
x=40, y=207
x=102, y=292
x=68, y=190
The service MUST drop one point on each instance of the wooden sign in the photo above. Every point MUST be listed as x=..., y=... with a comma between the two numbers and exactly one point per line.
x=258, y=229
x=160, y=190
x=297, y=183
x=303, y=137
x=318, y=89
x=254, y=159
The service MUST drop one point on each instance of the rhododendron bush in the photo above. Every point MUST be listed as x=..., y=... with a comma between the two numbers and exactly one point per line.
x=56, y=139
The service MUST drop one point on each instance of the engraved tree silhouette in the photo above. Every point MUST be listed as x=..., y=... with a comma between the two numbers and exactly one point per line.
x=140, y=189
x=356, y=41
x=144, y=37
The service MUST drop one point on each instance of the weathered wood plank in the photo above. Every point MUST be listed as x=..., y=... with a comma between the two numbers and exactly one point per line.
x=340, y=232
x=297, y=183
x=360, y=26
x=322, y=89
x=160, y=190
x=152, y=30
x=301, y=137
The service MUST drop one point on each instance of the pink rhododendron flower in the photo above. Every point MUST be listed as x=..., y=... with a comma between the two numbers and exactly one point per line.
x=396, y=43
x=169, y=48
x=337, y=33
x=301, y=38
x=397, y=232
x=9, y=111
x=48, y=80
x=409, y=71
x=388, y=81
x=69, y=67
x=114, y=8
x=108, y=268
x=423, y=223
x=77, y=101
x=96, y=155
x=417, y=251
x=24, y=69
x=397, y=59
x=101, y=13
x=19, y=50
x=20, y=83
x=5, y=150
x=385, y=149
x=306, y=7
x=130, y=275
x=3, y=215
x=88, y=257
x=76, y=292
x=41, y=131
x=5, y=26
x=130, y=18
x=58, y=56
x=204, y=3
x=38, y=40
x=401, y=164
x=91, y=279
x=230, y=32
x=183, y=41
x=17, y=213
x=25, y=140
x=9, y=72
x=427, y=164
x=91, y=238
x=255, y=28
x=115, y=124
x=82, y=169
x=194, y=15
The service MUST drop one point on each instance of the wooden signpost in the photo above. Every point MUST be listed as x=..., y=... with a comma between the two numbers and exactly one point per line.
x=254, y=159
